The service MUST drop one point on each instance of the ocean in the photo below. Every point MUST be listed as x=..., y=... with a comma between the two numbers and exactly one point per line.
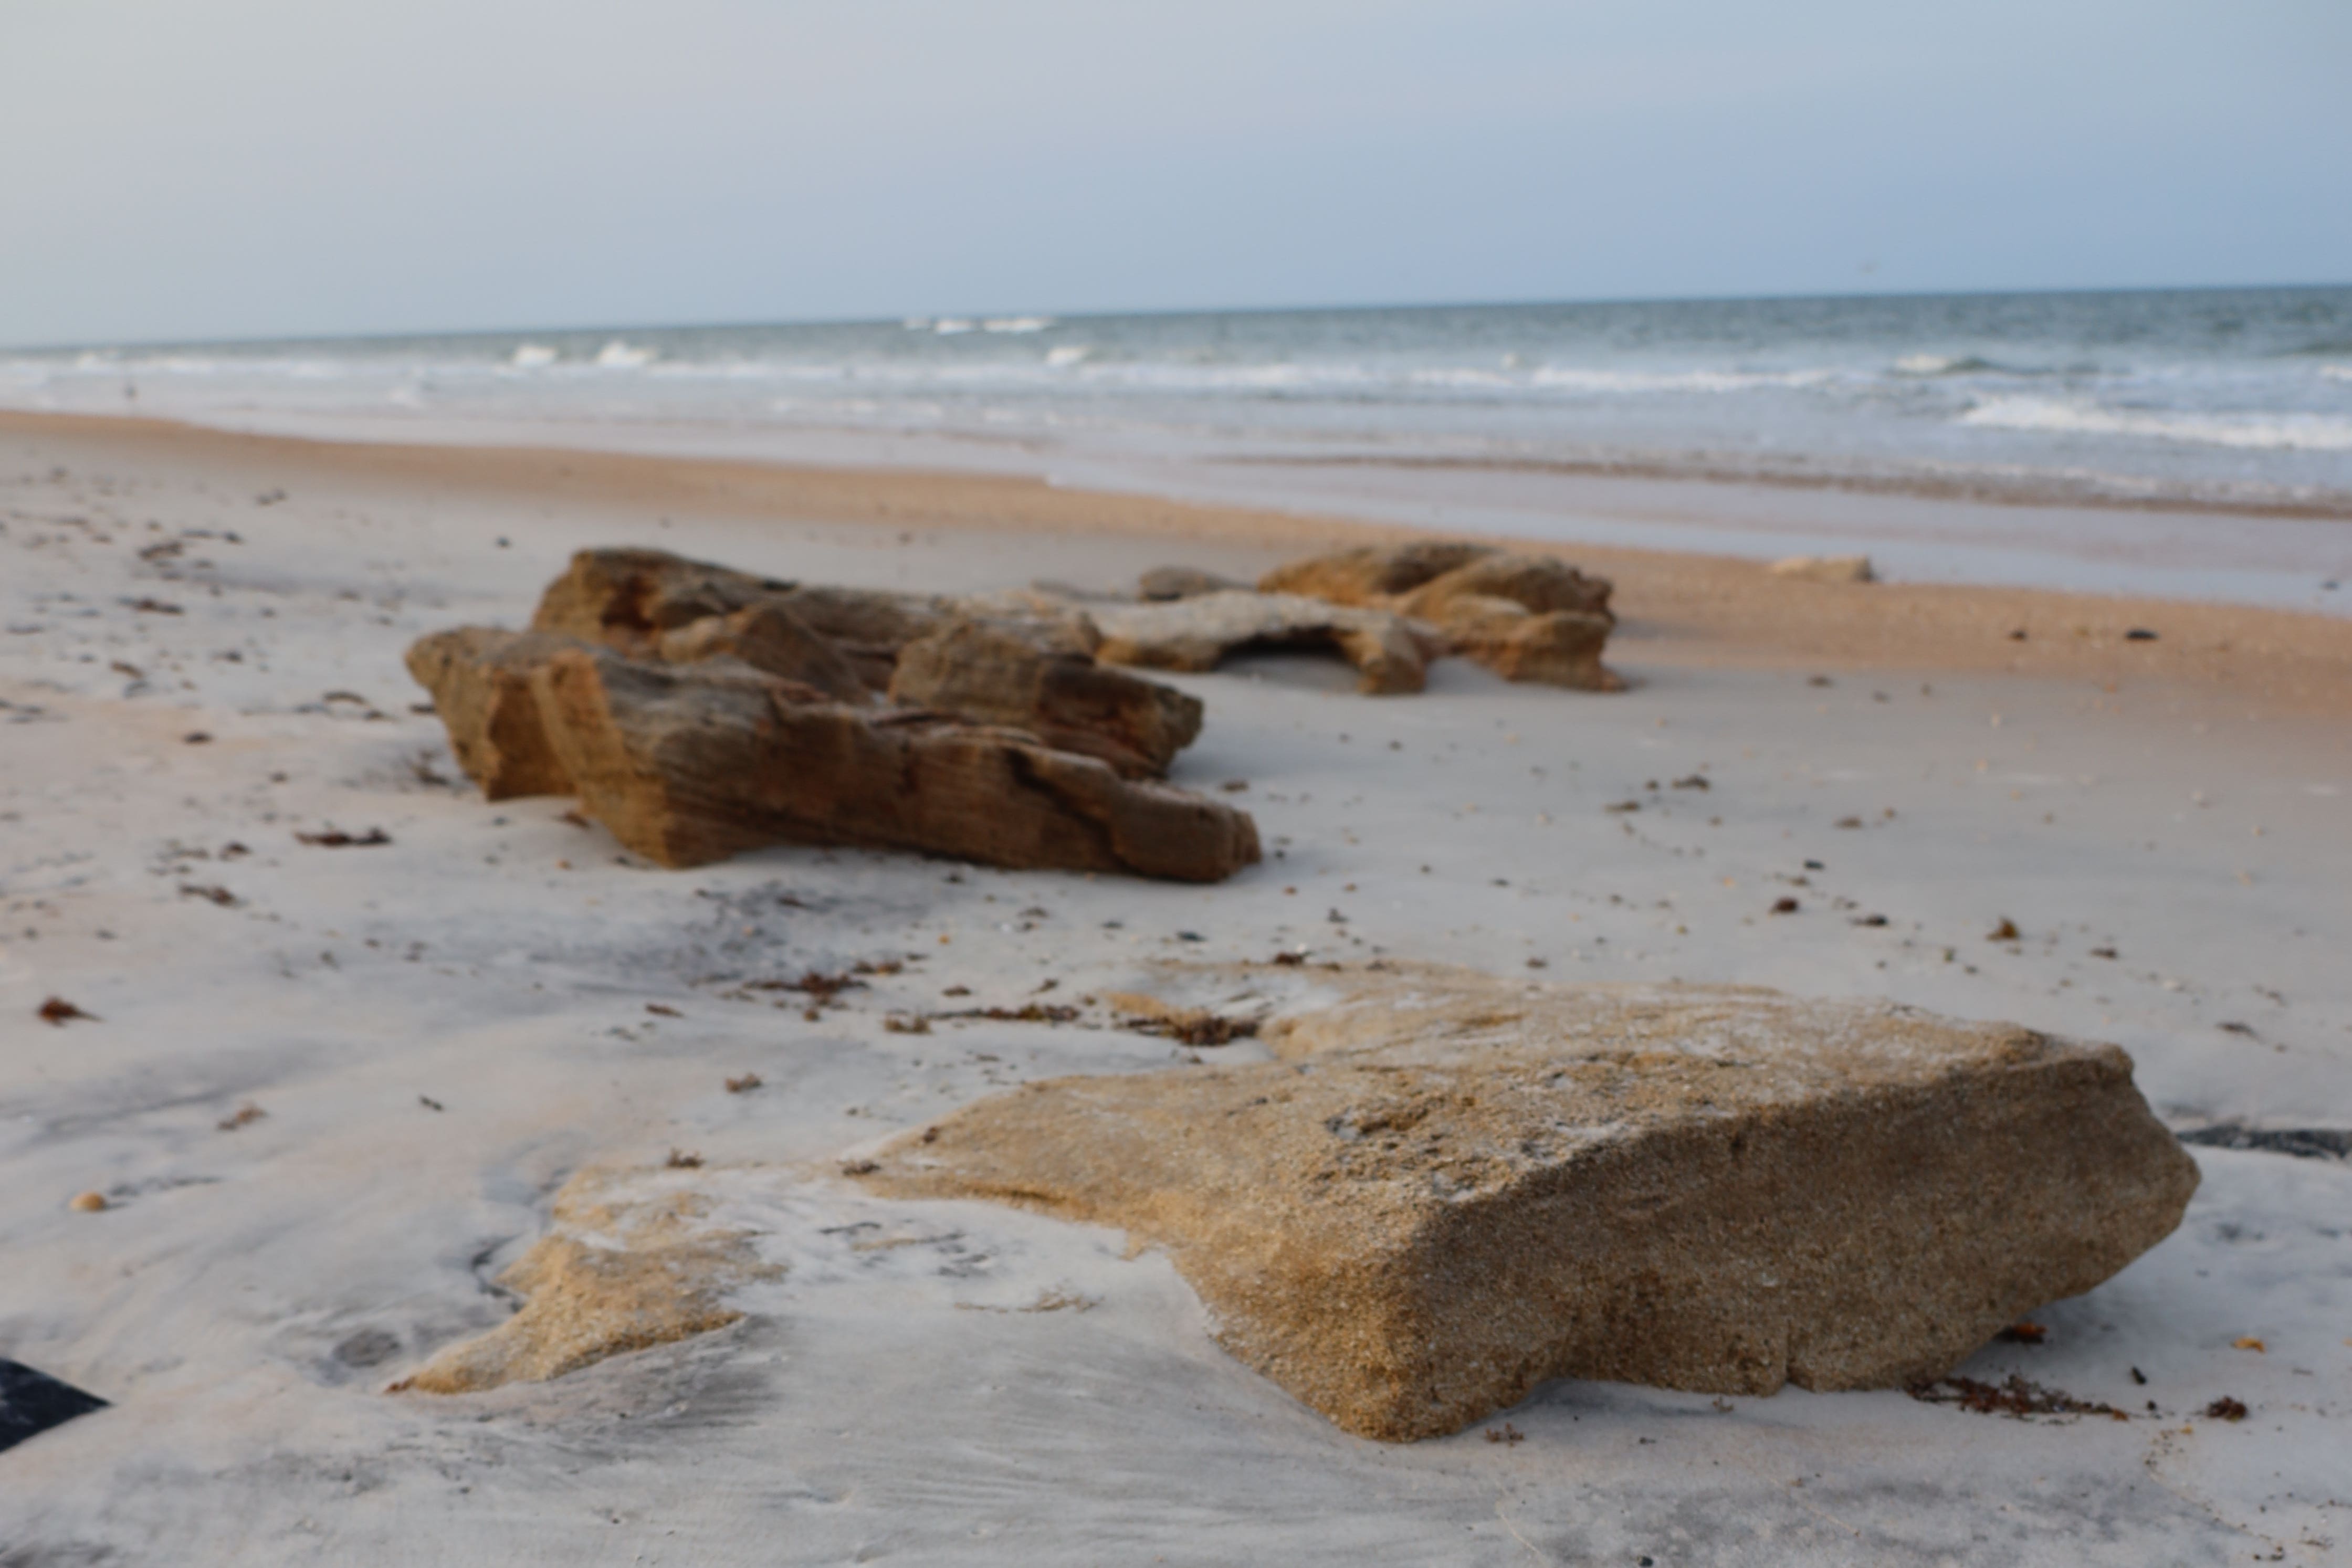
x=2193, y=442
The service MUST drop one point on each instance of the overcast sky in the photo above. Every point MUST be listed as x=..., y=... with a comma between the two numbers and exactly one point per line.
x=267, y=167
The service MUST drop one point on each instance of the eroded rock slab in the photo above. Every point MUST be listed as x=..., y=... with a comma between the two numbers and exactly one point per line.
x=1198, y=634
x=1450, y=1187
x=630, y=1260
x=687, y=764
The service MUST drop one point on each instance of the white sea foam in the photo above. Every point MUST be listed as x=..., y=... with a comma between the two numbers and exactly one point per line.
x=1016, y=323
x=1566, y=378
x=952, y=326
x=2337, y=373
x=617, y=355
x=2250, y=432
x=532, y=356
x=1067, y=354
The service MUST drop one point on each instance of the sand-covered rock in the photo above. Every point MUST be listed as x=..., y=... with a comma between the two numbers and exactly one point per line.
x=983, y=672
x=1525, y=617
x=1825, y=569
x=687, y=764
x=1390, y=654
x=1450, y=1187
x=480, y=682
x=629, y=1261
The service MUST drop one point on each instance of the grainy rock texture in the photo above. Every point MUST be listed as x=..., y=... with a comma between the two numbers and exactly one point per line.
x=687, y=764
x=1450, y=1187
x=983, y=672
x=628, y=1262
x=770, y=639
x=628, y=598
x=480, y=682
x=1825, y=569
x=1390, y=654
x=1525, y=617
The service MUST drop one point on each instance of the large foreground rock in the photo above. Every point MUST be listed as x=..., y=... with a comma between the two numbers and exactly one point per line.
x=1525, y=617
x=687, y=764
x=1199, y=632
x=1450, y=1187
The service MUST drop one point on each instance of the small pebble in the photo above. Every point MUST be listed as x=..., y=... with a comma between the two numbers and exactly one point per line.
x=88, y=1202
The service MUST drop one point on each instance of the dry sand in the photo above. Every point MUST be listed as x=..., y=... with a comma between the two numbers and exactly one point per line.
x=440, y=1031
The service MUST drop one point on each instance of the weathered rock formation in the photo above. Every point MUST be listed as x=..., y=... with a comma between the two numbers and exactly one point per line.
x=1390, y=654
x=629, y=1262
x=980, y=672
x=480, y=682
x=1372, y=574
x=1525, y=617
x=849, y=642
x=770, y=639
x=698, y=711
x=1450, y=1187
x=687, y=764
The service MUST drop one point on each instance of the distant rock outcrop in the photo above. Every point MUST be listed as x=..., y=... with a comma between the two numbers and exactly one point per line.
x=1450, y=1186
x=1525, y=617
x=1198, y=634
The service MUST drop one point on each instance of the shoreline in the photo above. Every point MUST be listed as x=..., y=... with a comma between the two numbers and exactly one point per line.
x=1675, y=609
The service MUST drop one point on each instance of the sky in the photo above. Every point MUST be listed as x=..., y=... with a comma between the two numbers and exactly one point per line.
x=265, y=168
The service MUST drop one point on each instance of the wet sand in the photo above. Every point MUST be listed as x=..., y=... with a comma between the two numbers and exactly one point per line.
x=2164, y=822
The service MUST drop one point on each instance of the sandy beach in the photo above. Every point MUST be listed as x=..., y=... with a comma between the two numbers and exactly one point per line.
x=200, y=661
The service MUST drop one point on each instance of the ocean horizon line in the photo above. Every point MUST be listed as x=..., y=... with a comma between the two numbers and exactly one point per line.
x=1172, y=313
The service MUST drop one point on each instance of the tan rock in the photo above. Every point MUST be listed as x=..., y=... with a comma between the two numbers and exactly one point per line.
x=1372, y=574
x=630, y=1261
x=1450, y=1187
x=1388, y=652
x=770, y=639
x=1539, y=584
x=480, y=682
x=687, y=764
x=1558, y=648
x=1825, y=569
x=626, y=598
x=985, y=674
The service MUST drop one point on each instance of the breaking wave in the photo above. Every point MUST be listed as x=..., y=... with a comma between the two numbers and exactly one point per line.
x=2249, y=431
